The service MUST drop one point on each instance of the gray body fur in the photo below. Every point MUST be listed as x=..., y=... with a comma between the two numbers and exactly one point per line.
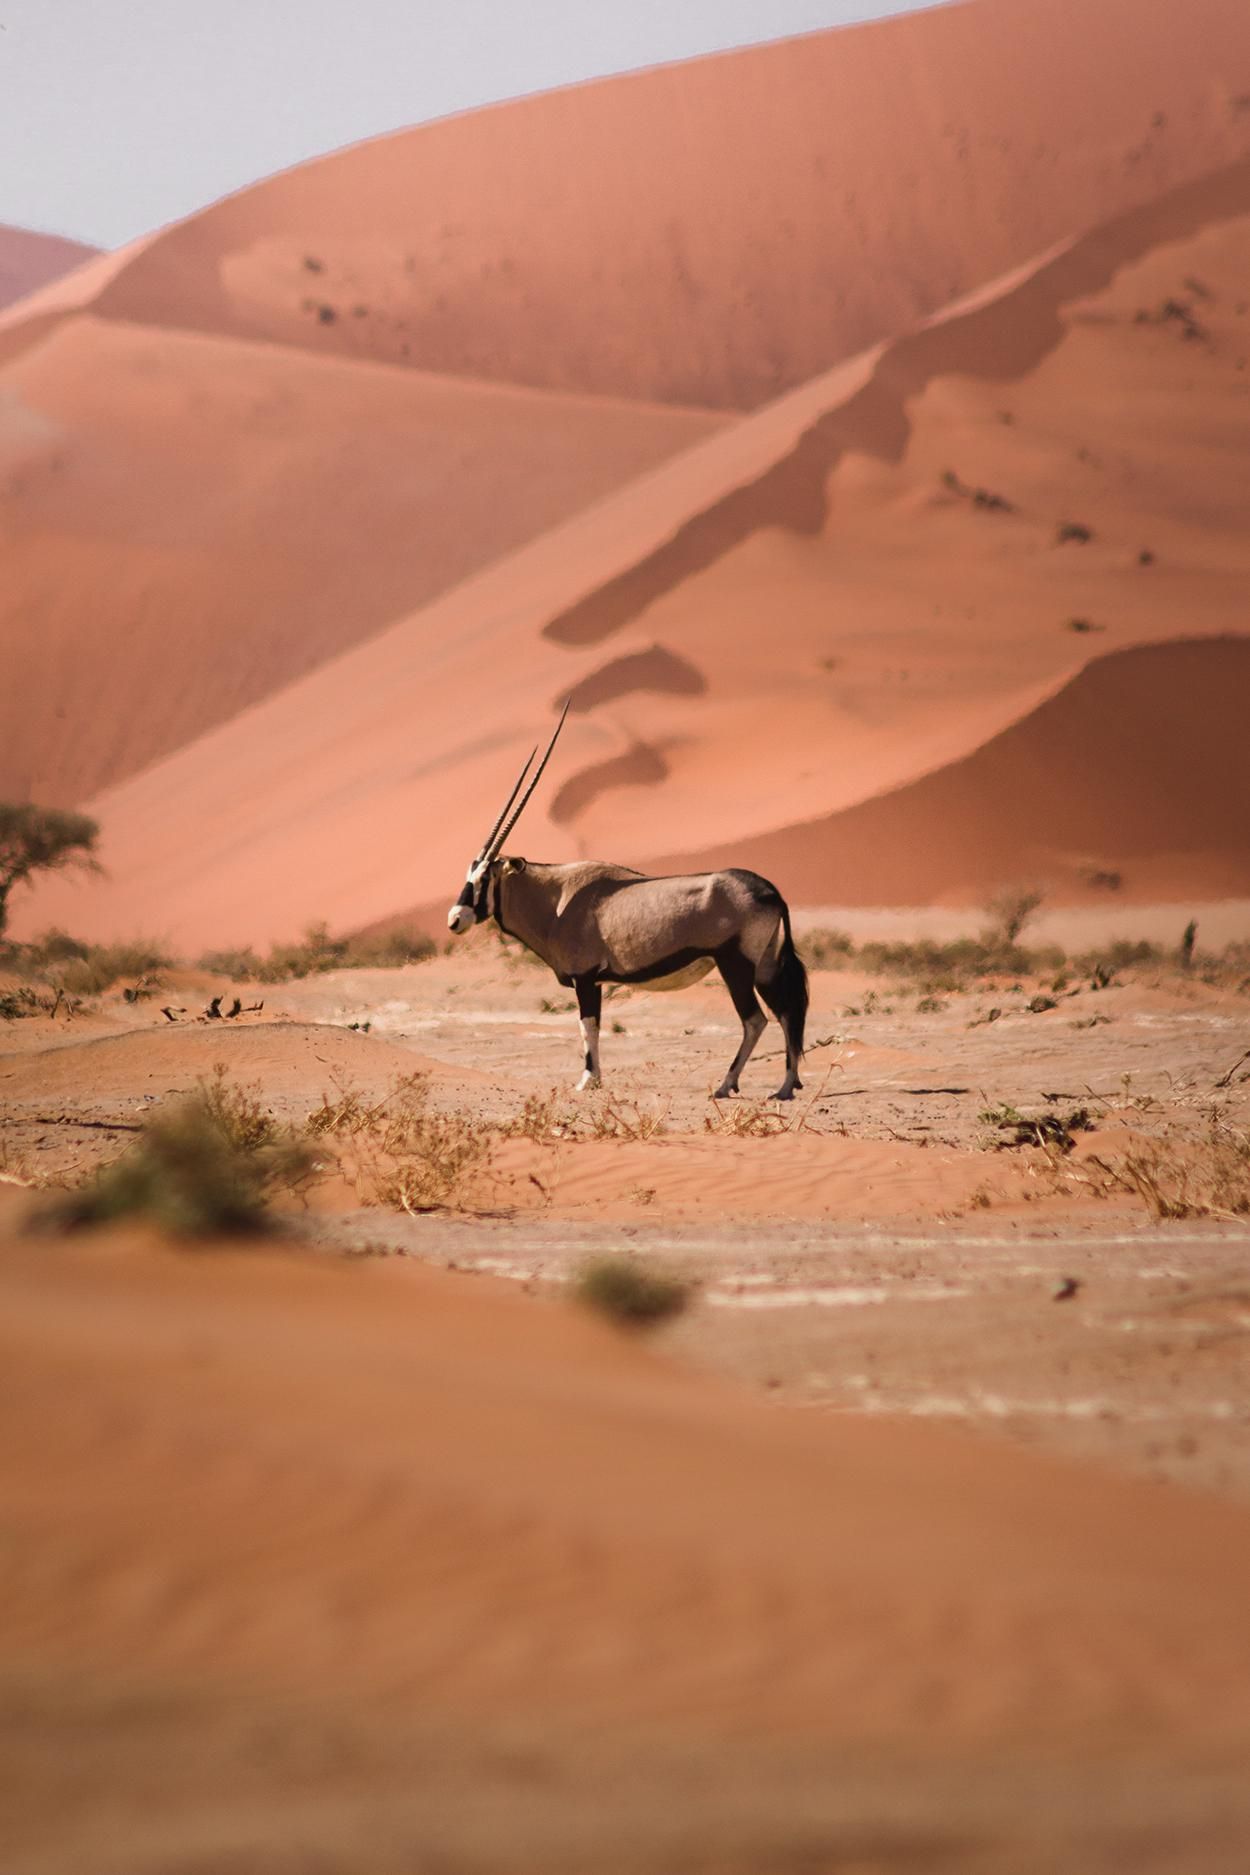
x=594, y=923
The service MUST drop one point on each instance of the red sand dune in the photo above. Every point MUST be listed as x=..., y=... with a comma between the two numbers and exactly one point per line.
x=191, y=520
x=803, y=614
x=188, y=523
x=1137, y=771
x=716, y=231
x=29, y=261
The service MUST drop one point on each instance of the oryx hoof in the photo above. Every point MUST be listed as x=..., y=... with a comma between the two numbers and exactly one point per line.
x=726, y=1090
x=587, y=1081
x=786, y=1091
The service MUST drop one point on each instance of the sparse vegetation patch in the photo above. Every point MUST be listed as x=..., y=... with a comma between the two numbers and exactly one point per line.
x=317, y=952
x=400, y=1152
x=628, y=1292
x=1178, y=1177
x=1054, y=1131
x=208, y=1164
x=984, y=498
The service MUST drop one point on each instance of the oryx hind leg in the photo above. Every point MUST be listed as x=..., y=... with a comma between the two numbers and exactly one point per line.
x=739, y=974
x=782, y=981
x=774, y=995
x=589, y=1009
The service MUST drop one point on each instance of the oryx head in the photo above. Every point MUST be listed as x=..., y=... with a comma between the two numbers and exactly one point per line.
x=473, y=907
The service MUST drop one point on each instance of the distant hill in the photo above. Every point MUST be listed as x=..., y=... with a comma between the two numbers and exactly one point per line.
x=746, y=397
x=29, y=261
x=966, y=610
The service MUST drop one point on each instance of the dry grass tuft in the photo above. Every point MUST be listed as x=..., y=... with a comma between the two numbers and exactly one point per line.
x=746, y=1119
x=26, y=1000
x=611, y=1118
x=544, y=1118
x=206, y=1165
x=628, y=1292
x=1054, y=1132
x=399, y=1152
x=1176, y=1178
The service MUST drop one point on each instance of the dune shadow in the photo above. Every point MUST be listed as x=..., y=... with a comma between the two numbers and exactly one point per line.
x=1001, y=339
x=659, y=671
x=639, y=766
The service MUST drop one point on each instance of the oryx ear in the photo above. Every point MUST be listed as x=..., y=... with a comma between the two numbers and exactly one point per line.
x=514, y=865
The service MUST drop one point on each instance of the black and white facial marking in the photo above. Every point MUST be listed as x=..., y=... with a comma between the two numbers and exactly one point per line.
x=479, y=901
x=471, y=907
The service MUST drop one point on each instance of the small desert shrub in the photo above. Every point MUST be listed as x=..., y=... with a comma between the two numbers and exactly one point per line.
x=53, y=946
x=746, y=1119
x=625, y=1119
x=389, y=950
x=979, y=497
x=237, y=966
x=1176, y=1178
x=398, y=1151
x=1054, y=1132
x=107, y=964
x=938, y=968
x=316, y=952
x=1120, y=954
x=27, y=1001
x=1009, y=912
x=629, y=1293
x=825, y=950
x=205, y=1165
x=79, y=969
x=544, y=1118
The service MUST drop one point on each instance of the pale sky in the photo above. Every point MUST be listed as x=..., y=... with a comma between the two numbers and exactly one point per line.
x=119, y=115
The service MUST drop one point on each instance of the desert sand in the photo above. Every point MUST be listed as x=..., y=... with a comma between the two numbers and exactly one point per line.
x=921, y=669
x=252, y=441
x=871, y=1560
x=854, y=429
x=29, y=261
x=754, y=217
x=193, y=522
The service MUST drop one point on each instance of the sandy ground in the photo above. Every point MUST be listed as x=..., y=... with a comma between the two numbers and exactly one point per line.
x=324, y=1565
x=917, y=1543
x=881, y=1253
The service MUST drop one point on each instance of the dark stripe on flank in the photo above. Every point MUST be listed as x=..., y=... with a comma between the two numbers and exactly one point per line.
x=666, y=967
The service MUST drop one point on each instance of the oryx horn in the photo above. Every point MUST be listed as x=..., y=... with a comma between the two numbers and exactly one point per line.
x=497, y=839
x=484, y=850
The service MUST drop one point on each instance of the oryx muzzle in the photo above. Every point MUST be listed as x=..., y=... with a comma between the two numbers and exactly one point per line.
x=594, y=923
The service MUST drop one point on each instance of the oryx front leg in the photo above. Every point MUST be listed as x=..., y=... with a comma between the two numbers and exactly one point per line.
x=739, y=977
x=589, y=1009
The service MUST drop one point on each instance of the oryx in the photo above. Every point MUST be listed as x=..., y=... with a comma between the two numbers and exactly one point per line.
x=595, y=923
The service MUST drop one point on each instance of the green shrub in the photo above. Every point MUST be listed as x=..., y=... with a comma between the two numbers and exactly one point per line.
x=207, y=1164
x=629, y=1293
